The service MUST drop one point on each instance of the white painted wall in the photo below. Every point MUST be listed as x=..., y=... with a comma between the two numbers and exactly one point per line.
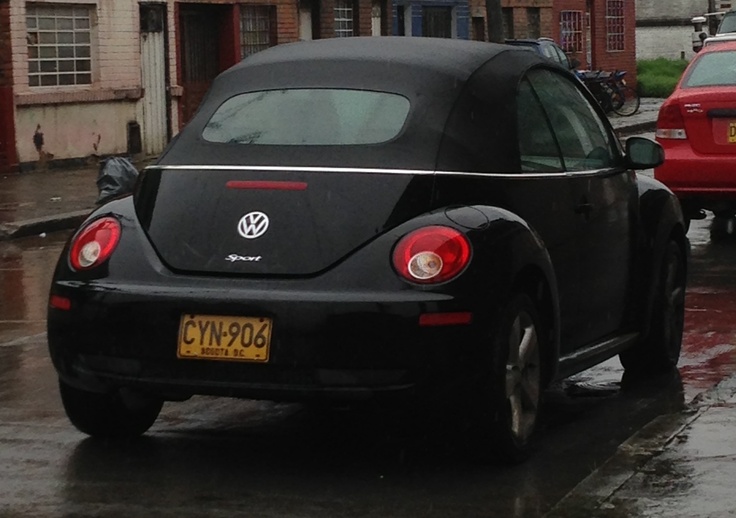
x=73, y=130
x=670, y=9
x=664, y=42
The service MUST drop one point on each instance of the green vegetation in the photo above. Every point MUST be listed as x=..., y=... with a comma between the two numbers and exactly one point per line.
x=658, y=77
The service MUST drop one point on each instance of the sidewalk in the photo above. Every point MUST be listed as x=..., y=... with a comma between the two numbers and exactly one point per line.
x=680, y=465
x=45, y=201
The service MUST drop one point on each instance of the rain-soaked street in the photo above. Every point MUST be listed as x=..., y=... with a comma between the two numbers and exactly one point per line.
x=220, y=457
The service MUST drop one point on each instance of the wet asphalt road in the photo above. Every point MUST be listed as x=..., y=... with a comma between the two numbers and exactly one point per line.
x=220, y=457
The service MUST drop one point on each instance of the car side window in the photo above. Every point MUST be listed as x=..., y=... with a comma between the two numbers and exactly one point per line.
x=562, y=57
x=582, y=136
x=550, y=53
x=537, y=145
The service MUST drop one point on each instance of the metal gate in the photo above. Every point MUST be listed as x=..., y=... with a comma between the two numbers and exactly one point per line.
x=437, y=22
x=199, y=46
x=154, y=67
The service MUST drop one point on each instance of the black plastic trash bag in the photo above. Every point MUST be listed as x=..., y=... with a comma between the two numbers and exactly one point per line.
x=117, y=177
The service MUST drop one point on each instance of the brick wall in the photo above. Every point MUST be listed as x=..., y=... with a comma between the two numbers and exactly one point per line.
x=478, y=10
x=615, y=60
x=602, y=58
x=287, y=19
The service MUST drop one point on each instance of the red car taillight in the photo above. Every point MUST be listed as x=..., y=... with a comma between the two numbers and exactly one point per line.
x=431, y=254
x=670, y=123
x=95, y=243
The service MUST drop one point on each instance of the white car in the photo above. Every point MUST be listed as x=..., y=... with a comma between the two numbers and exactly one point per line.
x=728, y=23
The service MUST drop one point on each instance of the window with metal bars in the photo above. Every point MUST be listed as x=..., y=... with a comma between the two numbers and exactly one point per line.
x=344, y=18
x=256, y=28
x=59, y=39
x=571, y=31
x=615, y=25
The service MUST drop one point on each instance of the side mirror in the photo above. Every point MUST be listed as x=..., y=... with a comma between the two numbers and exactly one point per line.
x=643, y=153
x=574, y=64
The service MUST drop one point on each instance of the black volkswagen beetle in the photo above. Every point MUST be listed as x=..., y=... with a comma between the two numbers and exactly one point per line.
x=356, y=218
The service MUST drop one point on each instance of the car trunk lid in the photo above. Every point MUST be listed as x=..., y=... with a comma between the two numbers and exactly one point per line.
x=265, y=221
x=710, y=119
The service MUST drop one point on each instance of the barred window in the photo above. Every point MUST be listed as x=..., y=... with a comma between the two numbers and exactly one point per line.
x=571, y=31
x=257, y=26
x=343, y=18
x=614, y=25
x=59, y=45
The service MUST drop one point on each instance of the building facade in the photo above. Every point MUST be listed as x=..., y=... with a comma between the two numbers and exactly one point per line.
x=431, y=18
x=600, y=34
x=81, y=79
x=521, y=18
x=91, y=78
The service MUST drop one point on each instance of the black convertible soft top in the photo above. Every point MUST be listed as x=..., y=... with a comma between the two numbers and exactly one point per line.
x=462, y=94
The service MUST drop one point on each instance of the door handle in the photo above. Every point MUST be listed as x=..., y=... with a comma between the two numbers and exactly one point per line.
x=584, y=208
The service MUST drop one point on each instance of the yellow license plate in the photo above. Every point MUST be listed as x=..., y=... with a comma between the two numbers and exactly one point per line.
x=732, y=132
x=214, y=337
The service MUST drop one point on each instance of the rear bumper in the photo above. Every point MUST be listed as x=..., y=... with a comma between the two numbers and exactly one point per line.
x=331, y=345
x=692, y=175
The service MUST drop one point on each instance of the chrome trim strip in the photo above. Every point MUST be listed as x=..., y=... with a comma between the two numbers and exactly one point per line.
x=411, y=172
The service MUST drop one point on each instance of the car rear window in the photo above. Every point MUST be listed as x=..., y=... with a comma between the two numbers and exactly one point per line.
x=728, y=24
x=713, y=69
x=308, y=117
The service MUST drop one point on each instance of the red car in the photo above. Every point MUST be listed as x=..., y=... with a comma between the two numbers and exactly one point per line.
x=697, y=129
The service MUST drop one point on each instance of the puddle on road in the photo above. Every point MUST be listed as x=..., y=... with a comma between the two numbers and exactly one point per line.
x=26, y=267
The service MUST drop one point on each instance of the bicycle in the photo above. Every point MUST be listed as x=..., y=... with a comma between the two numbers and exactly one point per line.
x=611, y=91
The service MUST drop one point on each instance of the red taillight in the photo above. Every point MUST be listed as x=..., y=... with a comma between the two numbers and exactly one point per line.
x=670, y=122
x=445, y=319
x=431, y=254
x=94, y=244
x=59, y=302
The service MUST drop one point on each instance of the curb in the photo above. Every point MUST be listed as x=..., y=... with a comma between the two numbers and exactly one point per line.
x=593, y=496
x=640, y=127
x=592, y=493
x=36, y=226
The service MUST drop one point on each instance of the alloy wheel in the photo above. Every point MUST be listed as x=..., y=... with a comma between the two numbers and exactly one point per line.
x=523, y=376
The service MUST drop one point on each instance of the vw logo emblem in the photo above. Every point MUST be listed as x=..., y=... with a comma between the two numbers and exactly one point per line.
x=253, y=225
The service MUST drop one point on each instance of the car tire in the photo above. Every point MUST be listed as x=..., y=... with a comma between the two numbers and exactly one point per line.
x=507, y=402
x=659, y=350
x=110, y=415
x=722, y=227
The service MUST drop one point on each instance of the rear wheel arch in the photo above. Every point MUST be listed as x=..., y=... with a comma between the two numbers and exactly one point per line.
x=661, y=221
x=653, y=269
x=658, y=348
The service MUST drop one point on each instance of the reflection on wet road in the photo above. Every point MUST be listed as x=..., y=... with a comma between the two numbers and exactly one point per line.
x=220, y=457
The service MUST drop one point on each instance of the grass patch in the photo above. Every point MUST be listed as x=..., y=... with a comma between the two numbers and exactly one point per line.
x=658, y=77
